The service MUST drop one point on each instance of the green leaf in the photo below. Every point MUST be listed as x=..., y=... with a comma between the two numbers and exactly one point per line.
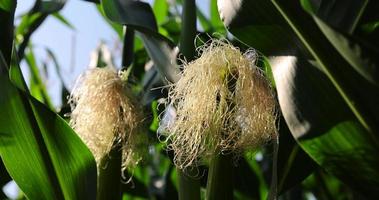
x=160, y=9
x=370, y=27
x=51, y=162
x=332, y=65
x=139, y=16
x=324, y=126
x=215, y=20
x=15, y=73
x=37, y=85
x=7, y=6
x=337, y=20
x=40, y=10
x=367, y=28
x=311, y=109
x=63, y=20
x=341, y=14
x=130, y=12
x=49, y=6
x=163, y=53
x=259, y=25
x=359, y=56
x=115, y=26
x=337, y=136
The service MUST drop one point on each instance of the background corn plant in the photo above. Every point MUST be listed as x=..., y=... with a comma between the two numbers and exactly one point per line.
x=321, y=57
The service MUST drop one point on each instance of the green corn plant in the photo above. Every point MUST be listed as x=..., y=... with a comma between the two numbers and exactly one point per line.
x=319, y=56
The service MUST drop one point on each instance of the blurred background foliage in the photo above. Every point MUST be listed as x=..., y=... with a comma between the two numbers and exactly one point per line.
x=320, y=56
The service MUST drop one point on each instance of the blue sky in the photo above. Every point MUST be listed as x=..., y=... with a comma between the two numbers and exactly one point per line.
x=71, y=47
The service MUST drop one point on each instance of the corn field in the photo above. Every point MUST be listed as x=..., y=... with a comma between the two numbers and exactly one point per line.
x=249, y=99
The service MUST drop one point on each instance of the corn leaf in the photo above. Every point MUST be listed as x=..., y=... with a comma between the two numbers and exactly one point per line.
x=139, y=15
x=51, y=162
x=359, y=55
x=37, y=86
x=63, y=20
x=130, y=12
x=341, y=14
x=259, y=25
x=324, y=126
x=118, y=28
x=320, y=107
x=160, y=9
x=215, y=20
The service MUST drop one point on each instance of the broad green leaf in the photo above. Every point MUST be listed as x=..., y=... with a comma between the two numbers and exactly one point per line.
x=338, y=70
x=51, y=162
x=332, y=65
x=337, y=20
x=324, y=126
x=259, y=25
x=360, y=57
x=130, y=12
x=7, y=8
